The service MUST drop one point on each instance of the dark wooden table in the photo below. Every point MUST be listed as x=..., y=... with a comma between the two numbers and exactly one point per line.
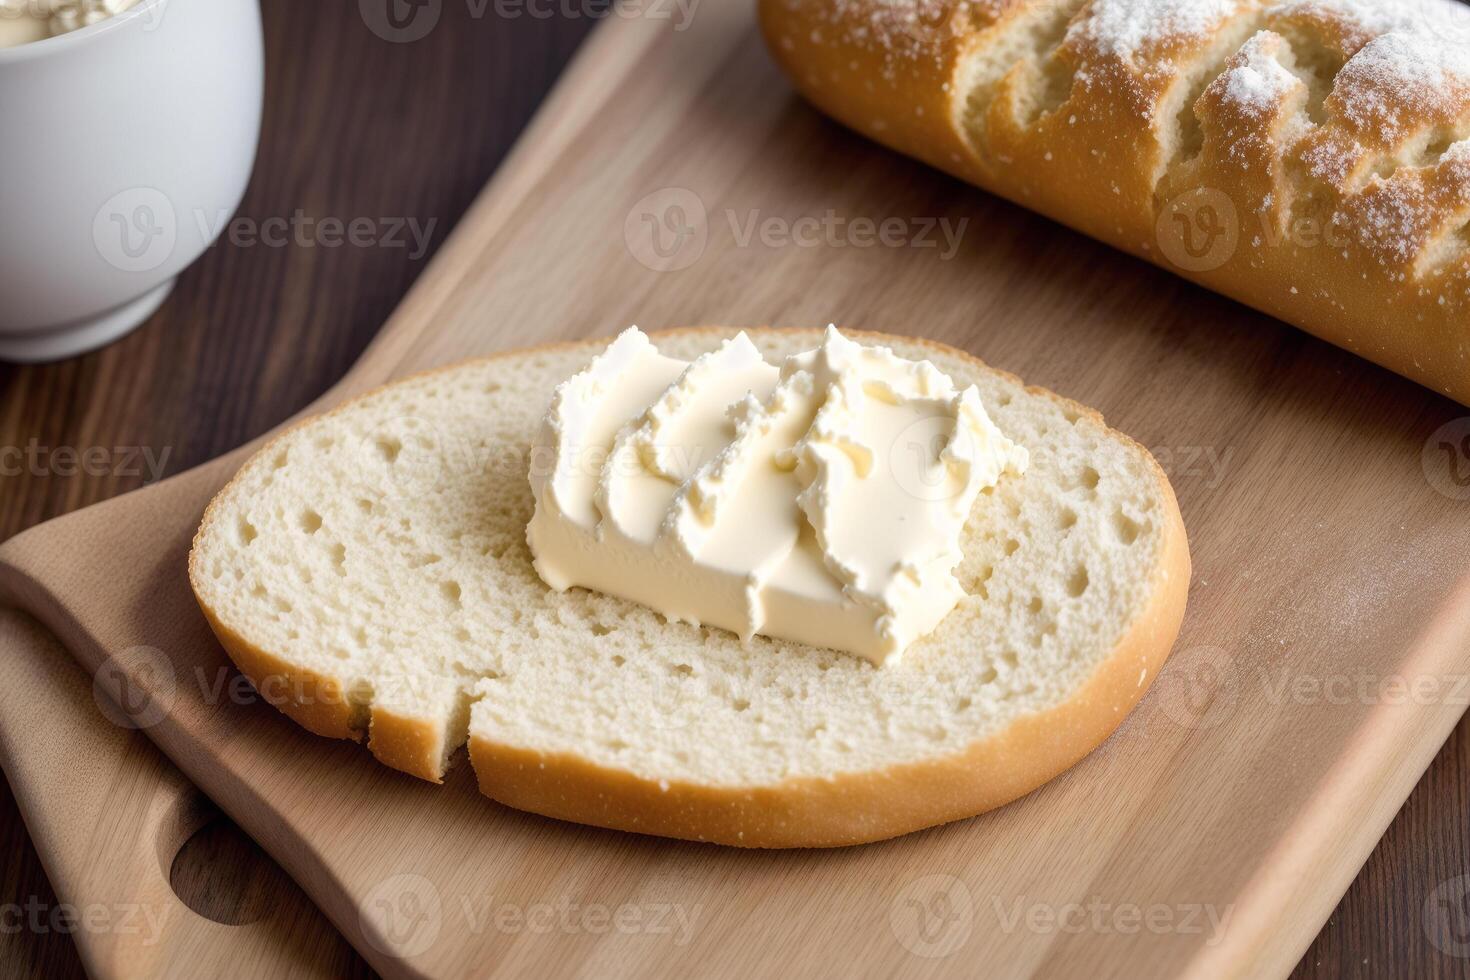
x=355, y=127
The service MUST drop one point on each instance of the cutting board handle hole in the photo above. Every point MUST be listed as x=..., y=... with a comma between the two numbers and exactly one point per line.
x=223, y=875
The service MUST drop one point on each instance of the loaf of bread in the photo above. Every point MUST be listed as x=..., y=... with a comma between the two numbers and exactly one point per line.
x=368, y=570
x=1306, y=157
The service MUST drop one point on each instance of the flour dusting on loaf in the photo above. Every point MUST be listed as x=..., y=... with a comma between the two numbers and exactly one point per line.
x=1129, y=28
x=1256, y=80
x=1307, y=157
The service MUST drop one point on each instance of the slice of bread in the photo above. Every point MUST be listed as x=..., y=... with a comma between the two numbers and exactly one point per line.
x=368, y=571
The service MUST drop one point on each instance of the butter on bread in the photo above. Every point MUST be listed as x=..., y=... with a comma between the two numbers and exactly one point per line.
x=368, y=570
x=1310, y=158
x=820, y=501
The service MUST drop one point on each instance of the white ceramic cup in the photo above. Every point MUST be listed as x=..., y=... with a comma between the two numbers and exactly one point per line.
x=124, y=149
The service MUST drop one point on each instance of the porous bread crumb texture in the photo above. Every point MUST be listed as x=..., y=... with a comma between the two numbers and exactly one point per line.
x=384, y=546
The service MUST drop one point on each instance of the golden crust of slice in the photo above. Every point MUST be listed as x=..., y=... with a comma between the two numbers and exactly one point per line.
x=808, y=812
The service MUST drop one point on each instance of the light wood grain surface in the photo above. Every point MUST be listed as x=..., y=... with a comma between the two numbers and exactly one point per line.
x=110, y=813
x=1323, y=550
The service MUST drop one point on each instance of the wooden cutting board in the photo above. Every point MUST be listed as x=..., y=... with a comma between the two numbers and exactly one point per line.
x=662, y=184
x=108, y=815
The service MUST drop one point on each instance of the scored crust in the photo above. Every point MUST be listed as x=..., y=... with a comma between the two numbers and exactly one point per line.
x=1310, y=158
x=852, y=808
